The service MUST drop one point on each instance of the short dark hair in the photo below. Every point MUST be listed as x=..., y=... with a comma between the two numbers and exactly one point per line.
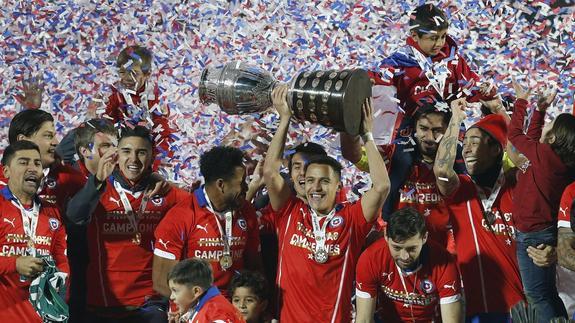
x=325, y=160
x=220, y=162
x=27, y=123
x=137, y=131
x=19, y=145
x=564, y=144
x=255, y=281
x=308, y=149
x=426, y=108
x=404, y=224
x=426, y=19
x=192, y=272
x=84, y=136
x=138, y=55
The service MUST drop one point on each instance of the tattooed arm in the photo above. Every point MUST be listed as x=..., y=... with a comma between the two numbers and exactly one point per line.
x=566, y=248
x=445, y=177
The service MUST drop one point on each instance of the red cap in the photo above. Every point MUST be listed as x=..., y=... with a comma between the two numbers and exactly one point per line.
x=495, y=126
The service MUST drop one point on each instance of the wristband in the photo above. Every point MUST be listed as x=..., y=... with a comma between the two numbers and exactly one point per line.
x=367, y=137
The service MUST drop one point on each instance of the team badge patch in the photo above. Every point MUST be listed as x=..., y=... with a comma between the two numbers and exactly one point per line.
x=243, y=224
x=158, y=200
x=50, y=182
x=54, y=224
x=336, y=222
x=427, y=286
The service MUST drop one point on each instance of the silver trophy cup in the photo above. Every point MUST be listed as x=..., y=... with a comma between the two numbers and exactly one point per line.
x=330, y=98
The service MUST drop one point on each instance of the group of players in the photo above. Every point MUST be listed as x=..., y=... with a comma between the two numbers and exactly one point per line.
x=452, y=228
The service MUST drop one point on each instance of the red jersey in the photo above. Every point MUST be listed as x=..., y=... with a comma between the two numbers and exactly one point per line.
x=120, y=270
x=59, y=186
x=419, y=191
x=486, y=253
x=310, y=291
x=144, y=108
x=190, y=230
x=565, y=220
x=213, y=307
x=416, y=295
x=404, y=70
x=50, y=240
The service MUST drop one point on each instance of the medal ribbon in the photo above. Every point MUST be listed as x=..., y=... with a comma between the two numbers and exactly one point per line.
x=130, y=214
x=319, y=232
x=227, y=237
x=411, y=296
x=487, y=203
x=29, y=222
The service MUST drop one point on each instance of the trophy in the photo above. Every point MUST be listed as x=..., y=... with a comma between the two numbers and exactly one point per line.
x=330, y=98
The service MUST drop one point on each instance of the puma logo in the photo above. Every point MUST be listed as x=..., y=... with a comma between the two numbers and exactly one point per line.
x=387, y=275
x=165, y=244
x=452, y=286
x=563, y=210
x=203, y=227
x=115, y=201
x=11, y=222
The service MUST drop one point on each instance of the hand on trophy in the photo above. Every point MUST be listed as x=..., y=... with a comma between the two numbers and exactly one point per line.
x=367, y=113
x=279, y=99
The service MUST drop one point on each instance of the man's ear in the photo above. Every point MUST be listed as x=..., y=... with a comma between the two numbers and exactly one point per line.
x=21, y=137
x=85, y=153
x=425, y=236
x=220, y=184
x=413, y=34
x=6, y=171
x=551, y=139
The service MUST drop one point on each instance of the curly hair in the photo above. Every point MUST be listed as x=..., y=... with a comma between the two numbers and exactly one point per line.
x=220, y=162
x=255, y=281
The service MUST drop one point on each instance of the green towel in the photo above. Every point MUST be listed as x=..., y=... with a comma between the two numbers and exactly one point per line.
x=48, y=293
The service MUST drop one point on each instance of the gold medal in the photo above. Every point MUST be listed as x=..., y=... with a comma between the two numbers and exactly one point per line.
x=137, y=238
x=226, y=261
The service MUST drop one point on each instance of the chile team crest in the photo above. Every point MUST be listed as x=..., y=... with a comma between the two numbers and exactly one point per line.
x=50, y=182
x=427, y=286
x=54, y=224
x=243, y=224
x=336, y=222
x=158, y=200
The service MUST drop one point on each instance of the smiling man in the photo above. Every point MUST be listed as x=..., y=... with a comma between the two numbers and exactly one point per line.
x=319, y=241
x=30, y=229
x=121, y=222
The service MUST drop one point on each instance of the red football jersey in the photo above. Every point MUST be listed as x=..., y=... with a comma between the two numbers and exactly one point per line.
x=419, y=191
x=217, y=309
x=50, y=240
x=486, y=253
x=120, y=271
x=310, y=291
x=565, y=207
x=408, y=296
x=190, y=230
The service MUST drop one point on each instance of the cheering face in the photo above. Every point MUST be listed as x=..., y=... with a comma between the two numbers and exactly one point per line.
x=183, y=296
x=432, y=42
x=321, y=186
x=102, y=142
x=132, y=77
x=248, y=304
x=406, y=253
x=478, y=154
x=46, y=140
x=234, y=189
x=427, y=129
x=24, y=172
x=297, y=173
x=134, y=157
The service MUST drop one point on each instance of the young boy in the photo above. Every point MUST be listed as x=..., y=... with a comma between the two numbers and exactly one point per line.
x=136, y=102
x=198, y=301
x=551, y=168
x=250, y=295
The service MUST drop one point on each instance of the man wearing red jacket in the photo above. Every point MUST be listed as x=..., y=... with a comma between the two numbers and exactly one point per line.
x=30, y=228
x=481, y=206
x=122, y=220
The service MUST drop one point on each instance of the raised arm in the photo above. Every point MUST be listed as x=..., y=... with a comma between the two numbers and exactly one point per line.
x=372, y=200
x=278, y=189
x=80, y=208
x=445, y=177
